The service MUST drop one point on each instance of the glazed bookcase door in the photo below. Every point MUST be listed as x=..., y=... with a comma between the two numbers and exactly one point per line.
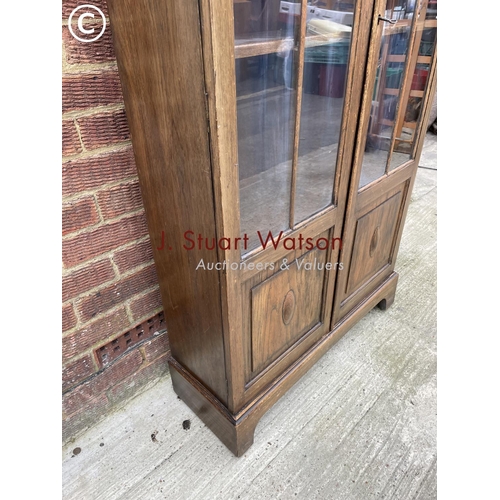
x=290, y=71
x=400, y=77
x=297, y=96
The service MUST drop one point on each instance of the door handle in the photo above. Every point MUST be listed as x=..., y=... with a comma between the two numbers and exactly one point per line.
x=386, y=20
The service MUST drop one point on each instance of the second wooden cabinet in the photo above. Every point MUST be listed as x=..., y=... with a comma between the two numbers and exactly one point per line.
x=277, y=144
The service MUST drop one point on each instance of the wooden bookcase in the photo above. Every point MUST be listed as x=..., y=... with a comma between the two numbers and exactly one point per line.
x=249, y=120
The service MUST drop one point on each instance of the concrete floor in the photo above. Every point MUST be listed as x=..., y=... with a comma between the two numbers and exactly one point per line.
x=361, y=424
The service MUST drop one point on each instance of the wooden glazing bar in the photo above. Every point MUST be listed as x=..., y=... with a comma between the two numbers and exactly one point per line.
x=298, y=108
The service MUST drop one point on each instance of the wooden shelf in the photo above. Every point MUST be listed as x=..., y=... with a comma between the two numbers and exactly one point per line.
x=401, y=58
x=413, y=93
x=259, y=48
x=390, y=123
x=318, y=40
x=251, y=47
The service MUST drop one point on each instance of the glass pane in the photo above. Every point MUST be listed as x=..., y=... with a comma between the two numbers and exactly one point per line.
x=428, y=41
x=265, y=63
x=388, y=83
x=404, y=140
x=431, y=9
x=328, y=39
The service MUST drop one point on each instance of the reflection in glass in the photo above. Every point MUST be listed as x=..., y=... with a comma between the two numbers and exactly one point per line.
x=406, y=131
x=325, y=69
x=412, y=105
x=266, y=81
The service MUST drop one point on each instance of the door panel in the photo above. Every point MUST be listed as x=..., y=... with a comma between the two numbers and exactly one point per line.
x=373, y=242
x=372, y=238
x=297, y=96
x=285, y=307
x=384, y=164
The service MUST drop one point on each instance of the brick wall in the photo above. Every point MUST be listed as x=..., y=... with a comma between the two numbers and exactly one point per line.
x=109, y=281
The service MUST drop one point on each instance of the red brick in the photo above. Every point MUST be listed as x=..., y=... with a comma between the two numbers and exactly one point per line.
x=130, y=386
x=81, y=53
x=146, y=305
x=85, y=246
x=103, y=129
x=70, y=141
x=156, y=347
x=94, y=332
x=86, y=278
x=80, y=396
x=88, y=416
x=117, y=293
x=90, y=90
x=133, y=256
x=79, y=214
x=76, y=372
x=120, y=199
x=68, y=317
x=90, y=173
x=69, y=5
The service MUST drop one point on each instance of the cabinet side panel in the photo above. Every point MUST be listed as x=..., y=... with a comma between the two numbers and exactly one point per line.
x=159, y=54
